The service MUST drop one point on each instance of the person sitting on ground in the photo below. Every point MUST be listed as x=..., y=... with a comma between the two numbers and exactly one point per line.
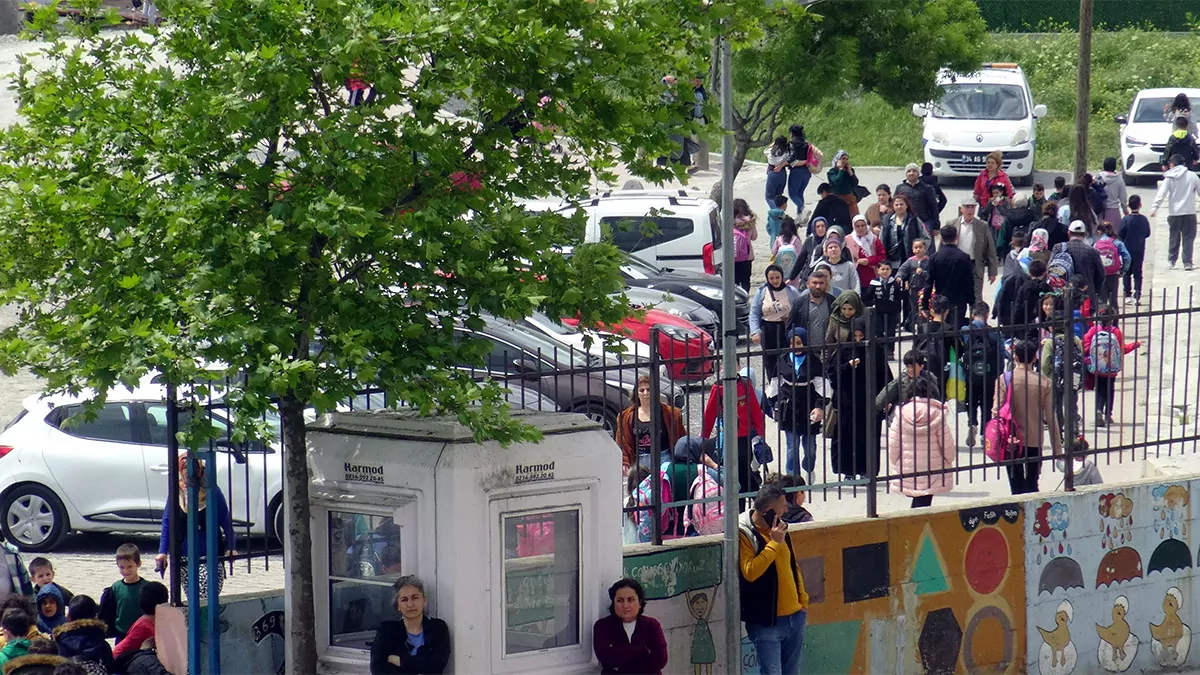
x=15, y=625
x=52, y=611
x=25, y=604
x=82, y=637
x=41, y=570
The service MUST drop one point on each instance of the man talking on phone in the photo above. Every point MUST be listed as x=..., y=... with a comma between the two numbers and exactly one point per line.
x=772, y=590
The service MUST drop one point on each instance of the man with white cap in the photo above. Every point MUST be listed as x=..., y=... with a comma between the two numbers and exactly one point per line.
x=975, y=239
x=923, y=197
x=1085, y=259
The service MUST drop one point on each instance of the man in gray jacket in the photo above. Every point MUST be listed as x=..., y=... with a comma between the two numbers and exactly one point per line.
x=976, y=240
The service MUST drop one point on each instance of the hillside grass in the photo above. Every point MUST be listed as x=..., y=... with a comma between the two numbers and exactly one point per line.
x=1123, y=62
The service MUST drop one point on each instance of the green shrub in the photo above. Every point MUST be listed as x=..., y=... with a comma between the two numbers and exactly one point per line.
x=1123, y=62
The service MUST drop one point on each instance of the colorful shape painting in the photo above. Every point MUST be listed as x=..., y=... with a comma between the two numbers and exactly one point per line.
x=1002, y=627
x=1172, y=554
x=986, y=560
x=1172, y=638
x=865, y=573
x=830, y=647
x=1118, y=645
x=1057, y=655
x=929, y=570
x=1122, y=564
x=940, y=640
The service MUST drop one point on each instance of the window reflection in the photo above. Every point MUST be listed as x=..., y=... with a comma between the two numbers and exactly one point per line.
x=364, y=560
x=541, y=580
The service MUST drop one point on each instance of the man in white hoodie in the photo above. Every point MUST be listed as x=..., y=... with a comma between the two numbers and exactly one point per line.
x=1180, y=188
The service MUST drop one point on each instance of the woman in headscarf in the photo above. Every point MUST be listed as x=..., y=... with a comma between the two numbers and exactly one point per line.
x=810, y=251
x=1052, y=224
x=843, y=273
x=799, y=408
x=846, y=307
x=866, y=250
x=769, y=315
x=843, y=181
x=1039, y=246
x=857, y=420
x=226, y=536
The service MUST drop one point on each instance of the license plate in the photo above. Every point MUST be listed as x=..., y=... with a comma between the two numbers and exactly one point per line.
x=974, y=159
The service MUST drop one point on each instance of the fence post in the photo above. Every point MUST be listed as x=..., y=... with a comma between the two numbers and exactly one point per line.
x=213, y=563
x=173, y=494
x=655, y=435
x=1069, y=431
x=871, y=413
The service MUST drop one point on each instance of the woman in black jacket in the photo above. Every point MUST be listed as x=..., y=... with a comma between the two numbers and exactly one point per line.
x=857, y=420
x=417, y=644
x=799, y=410
x=899, y=229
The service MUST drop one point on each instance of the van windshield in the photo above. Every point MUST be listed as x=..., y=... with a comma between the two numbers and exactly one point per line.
x=981, y=102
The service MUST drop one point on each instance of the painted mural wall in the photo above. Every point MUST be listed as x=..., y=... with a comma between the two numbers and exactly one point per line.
x=1110, y=580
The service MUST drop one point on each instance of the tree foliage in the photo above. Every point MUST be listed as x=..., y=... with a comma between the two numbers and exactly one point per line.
x=206, y=194
x=806, y=55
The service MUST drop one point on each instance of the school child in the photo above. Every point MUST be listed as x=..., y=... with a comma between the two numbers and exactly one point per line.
x=775, y=217
x=119, y=603
x=1116, y=259
x=984, y=363
x=914, y=277
x=1055, y=366
x=885, y=295
x=1135, y=230
x=1105, y=348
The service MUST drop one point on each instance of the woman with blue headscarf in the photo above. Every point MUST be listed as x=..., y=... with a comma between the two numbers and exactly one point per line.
x=799, y=409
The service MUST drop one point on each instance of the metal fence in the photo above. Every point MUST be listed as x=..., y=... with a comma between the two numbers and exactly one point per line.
x=675, y=486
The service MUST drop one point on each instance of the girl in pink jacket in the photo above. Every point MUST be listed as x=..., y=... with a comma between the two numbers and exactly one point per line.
x=920, y=440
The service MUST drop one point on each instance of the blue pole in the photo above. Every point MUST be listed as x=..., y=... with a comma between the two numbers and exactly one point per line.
x=213, y=561
x=193, y=563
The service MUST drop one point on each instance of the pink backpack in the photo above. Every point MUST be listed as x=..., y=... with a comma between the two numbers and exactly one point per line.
x=1110, y=257
x=706, y=518
x=1001, y=437
x=741, y=246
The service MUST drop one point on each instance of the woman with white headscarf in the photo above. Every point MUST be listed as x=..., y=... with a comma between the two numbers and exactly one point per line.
x=866, y=250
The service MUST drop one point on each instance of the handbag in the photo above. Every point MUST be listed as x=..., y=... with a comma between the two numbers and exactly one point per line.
x=829, y=428
x=860, y=193
x=1001, y=436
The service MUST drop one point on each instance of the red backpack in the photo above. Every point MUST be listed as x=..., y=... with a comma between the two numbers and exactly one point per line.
x=1002, y=437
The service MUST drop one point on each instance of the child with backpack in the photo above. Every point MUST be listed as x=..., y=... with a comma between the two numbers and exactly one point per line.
x=1105, y=348
x=1115, y=258
x=1055, y=366
x=775, y=216
x=745, y=231
x=885, y=295
x=914, y=277
x=785, y=247
x=1060, y=269
x=984, y=363
x=1082, y=293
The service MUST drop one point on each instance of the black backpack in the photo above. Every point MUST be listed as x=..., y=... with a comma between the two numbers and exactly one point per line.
x=978, y=358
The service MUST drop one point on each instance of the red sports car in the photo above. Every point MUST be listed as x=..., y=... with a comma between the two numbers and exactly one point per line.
x=683, y=348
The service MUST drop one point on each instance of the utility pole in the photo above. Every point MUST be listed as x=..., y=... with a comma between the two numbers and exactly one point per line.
x=729, y=376
x=1083, y=103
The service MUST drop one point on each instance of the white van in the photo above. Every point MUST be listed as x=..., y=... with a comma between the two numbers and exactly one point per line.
x=977, y=113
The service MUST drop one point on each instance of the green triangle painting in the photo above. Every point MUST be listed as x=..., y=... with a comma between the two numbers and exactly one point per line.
x=929, y=575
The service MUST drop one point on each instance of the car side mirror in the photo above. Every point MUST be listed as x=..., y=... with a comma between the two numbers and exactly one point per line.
x=919, y=110
x=1121, y=119
x=1039, y=111
x=528, y=368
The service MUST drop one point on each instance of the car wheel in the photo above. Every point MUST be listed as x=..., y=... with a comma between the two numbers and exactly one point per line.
x=598, y=412
x=276, y=529
x=34, y=518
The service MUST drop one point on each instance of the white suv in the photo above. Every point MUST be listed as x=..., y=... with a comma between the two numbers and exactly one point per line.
x=977, y=113
x=110, y=473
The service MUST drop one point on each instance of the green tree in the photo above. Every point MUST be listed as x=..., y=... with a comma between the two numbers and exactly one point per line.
x=827, y=50
x=205, y=193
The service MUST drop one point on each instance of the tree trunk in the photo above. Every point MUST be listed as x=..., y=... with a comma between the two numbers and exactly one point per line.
x=301, y=643
x=1083, y=106
x=741, y=147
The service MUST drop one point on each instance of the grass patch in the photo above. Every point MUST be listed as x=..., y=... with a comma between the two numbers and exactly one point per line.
x=1123, y=62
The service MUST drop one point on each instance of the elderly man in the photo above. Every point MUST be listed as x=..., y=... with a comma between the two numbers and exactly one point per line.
x=975, y=239
x=921, y=195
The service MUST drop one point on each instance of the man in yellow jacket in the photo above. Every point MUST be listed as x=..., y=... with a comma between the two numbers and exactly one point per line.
x=772, y=590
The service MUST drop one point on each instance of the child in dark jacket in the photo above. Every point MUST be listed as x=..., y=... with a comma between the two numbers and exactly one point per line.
x=913, y=278
x=1135, y=230
x=886, y=296
x=82, y=637
x=928, y=177
x=787, y=482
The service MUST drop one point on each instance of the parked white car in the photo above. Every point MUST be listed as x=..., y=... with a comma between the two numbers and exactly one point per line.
x=1145, y=129
x=111, y=473
x=977, y=113
x=666, y=228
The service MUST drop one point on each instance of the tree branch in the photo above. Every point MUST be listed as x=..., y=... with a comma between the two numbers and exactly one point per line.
x=319, y=86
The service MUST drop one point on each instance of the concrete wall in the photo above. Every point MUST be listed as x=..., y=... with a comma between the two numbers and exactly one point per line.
x=1096, y=581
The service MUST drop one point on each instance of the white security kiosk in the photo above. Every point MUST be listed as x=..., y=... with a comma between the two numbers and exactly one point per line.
x=516, y=545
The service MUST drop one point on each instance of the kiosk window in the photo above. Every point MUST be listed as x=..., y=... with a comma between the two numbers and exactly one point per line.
x=364, y=560
x=541, y=580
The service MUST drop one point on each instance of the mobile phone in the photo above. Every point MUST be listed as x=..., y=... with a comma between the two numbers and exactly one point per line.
x=769, y=517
